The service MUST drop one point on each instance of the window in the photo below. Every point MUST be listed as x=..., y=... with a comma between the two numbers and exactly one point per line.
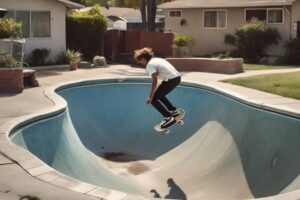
x=258, y=14
x=215, y=19
x=270, y=15
x=174, y=13
x=275, y=16
x=24, y=18
x=40, y=24
x=35, y=24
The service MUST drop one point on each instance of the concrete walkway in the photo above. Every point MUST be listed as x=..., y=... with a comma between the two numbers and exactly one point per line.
x=15, y=182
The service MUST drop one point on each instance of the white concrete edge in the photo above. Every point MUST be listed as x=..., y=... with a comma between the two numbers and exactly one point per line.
x=281, y=109
x=41, y=171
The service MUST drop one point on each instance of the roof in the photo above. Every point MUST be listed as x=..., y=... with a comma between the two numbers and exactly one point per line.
x=116, y=11
x=130, y=15
x=71, y=4
x=223, y=3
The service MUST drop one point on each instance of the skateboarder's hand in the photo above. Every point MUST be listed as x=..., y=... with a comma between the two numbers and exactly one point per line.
x=149, y=100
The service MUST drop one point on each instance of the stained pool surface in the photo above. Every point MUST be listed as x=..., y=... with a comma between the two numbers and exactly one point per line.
x=225, y=150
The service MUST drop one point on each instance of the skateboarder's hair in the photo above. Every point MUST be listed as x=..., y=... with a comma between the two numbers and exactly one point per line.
x=146, y=53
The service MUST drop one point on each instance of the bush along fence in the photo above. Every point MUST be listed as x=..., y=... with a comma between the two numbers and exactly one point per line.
x=85, y=32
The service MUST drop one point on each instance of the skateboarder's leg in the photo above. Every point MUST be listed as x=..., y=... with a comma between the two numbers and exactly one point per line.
x=160, y=108
x=160, y=100
x=167, y=103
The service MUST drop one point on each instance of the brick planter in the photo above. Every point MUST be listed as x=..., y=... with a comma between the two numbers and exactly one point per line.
x=213, y=65
x=11, y=80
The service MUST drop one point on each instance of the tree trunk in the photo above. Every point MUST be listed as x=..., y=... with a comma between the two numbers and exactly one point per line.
x=151, y=13
x=143, y=14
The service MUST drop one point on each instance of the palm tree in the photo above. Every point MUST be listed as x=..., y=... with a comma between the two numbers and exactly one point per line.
x=149, y=18
x=151, y=13
x=143, y=13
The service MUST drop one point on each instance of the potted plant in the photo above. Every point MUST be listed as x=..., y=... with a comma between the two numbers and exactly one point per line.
x=181, y=45
x=73, y=57
x=8, y=62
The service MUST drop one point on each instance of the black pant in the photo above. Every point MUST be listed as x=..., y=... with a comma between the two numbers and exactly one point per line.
x=160, y=101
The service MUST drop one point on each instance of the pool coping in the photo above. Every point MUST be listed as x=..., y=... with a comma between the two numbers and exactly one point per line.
x=38, y=169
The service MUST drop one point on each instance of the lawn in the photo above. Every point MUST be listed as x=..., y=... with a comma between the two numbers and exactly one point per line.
x=267, y=67
x=286, y=84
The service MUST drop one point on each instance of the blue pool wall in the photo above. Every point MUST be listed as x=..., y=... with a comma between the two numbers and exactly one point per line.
x=112, y=117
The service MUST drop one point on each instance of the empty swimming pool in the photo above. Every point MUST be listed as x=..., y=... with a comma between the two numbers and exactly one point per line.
x=225, y=150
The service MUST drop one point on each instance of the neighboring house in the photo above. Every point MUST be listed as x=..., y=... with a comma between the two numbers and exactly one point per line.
x=127, y=18
x=43, y=22
x=207, y=21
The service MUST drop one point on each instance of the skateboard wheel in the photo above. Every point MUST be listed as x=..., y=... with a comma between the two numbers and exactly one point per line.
x=167, y=131
x=181, y=122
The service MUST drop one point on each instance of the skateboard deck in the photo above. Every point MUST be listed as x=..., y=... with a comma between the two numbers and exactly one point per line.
x=178, y=120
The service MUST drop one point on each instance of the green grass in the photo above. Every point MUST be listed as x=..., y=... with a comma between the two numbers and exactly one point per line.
x=286, y=84
x=267, y=67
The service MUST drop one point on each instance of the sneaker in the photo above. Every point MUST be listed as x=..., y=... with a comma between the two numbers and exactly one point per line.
x=175, y=113
x=167, y=121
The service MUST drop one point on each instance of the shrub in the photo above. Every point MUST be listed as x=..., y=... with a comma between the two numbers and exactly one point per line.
x=85, y=31
x=9, y=28
x=38, y=57
x=29, y=197
x=73, y=56
x=292, y=51
x=252, y=38
x=181, y=40
x=8, y=62
x=230, y=39
x=222, y=54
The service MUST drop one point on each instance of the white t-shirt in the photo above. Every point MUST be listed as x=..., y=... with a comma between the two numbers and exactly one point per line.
x=165, y=70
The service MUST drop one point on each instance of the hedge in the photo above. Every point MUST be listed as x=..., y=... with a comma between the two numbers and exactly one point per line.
x=85, y=32
x=252, y=39
x=292, y=52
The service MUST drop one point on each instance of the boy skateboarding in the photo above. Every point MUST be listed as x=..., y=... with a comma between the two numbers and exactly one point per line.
x=162, y=69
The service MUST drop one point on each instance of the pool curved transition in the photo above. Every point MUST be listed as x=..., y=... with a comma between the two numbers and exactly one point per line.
x=225, y=150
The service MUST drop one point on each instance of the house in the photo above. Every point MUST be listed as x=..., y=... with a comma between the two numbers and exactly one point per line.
x=207, y=21
x=127, y=18
x=43, y=22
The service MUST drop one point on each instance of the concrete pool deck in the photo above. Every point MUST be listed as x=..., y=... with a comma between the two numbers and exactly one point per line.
x=33, y=100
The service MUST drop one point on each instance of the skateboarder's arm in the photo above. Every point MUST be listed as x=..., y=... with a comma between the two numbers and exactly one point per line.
x=153, y=87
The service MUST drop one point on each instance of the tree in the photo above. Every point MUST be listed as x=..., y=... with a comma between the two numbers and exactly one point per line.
x=149, y=16
x=252, y=39
x=147, y=8
x=148, y=13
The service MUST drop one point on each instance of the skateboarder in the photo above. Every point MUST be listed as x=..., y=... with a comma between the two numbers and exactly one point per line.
x=162, y=69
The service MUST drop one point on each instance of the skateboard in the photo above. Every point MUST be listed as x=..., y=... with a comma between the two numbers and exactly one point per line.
x=178, y=120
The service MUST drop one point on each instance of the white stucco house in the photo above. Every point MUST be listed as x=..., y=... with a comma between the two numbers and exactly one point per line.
x=207, y=21
x=44, y=24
